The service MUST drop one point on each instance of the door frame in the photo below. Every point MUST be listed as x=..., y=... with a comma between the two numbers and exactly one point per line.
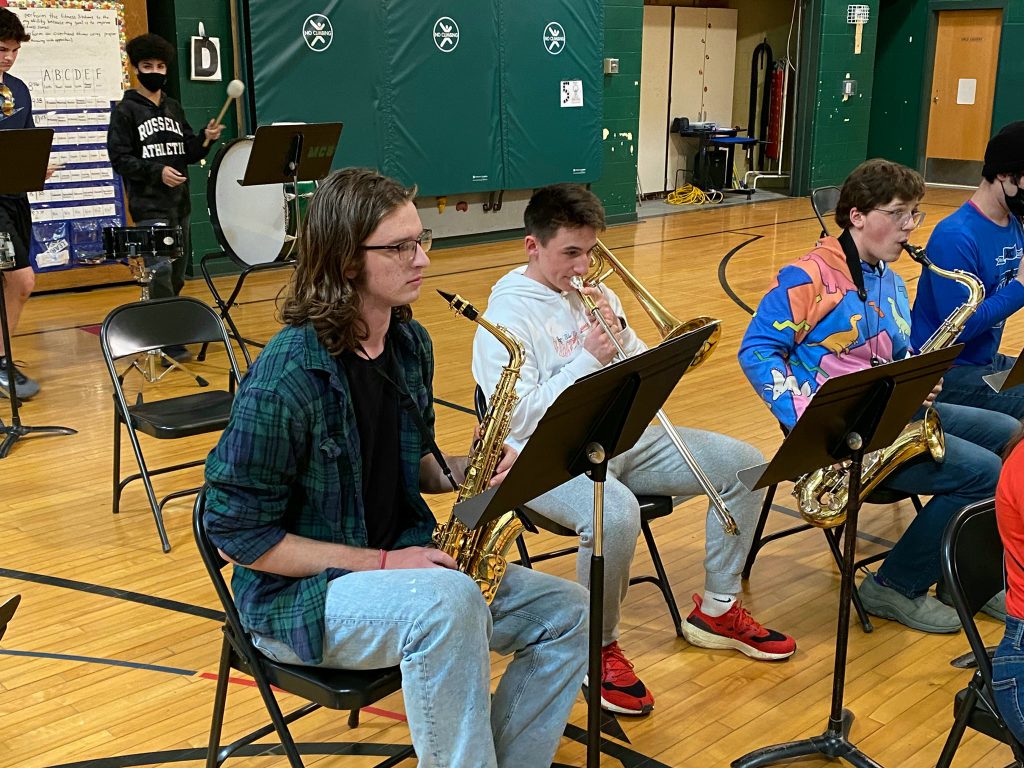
x=934, y=6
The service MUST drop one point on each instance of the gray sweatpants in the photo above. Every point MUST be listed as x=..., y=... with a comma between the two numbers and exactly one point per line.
x=653, y=467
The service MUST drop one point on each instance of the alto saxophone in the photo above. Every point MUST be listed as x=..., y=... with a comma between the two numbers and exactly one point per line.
x=822, y=495
x=480, y=552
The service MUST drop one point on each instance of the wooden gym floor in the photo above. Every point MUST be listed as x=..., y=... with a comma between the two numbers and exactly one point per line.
x=110, y=659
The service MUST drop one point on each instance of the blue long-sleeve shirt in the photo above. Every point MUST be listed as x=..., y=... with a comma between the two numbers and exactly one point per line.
x=971, y=241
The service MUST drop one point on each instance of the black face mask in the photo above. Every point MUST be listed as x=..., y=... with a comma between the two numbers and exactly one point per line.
x=1015, y=203
x=152, y=81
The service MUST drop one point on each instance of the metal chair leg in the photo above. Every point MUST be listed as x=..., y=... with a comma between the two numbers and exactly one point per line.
x=662, y=581
x=755, y=544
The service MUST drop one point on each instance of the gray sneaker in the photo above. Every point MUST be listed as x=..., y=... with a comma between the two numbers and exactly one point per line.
x=995, y=607
x=923, y=613
x=27, y=388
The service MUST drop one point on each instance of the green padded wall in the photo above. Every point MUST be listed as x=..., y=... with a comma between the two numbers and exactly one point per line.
x=330, y=81
x=457, y=96
x=546, y=44
x=440, y=84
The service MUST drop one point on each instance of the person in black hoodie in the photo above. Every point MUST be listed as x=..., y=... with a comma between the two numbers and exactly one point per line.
x=150, y=144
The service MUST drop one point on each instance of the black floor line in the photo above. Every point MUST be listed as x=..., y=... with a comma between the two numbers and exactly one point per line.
x=724, y=281
x=120, y=594
x=99, y=660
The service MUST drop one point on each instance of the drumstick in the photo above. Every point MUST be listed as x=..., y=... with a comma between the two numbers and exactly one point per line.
x=235, y=89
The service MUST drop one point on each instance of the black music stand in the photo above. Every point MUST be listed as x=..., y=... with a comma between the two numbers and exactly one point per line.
x=849, y=416
x=591, y=422
x=26, y=153
x=282, y=154
x=1000, y=381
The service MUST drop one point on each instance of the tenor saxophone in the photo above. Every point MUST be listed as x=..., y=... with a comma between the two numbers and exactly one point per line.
x=480, y=552
x=822, y=495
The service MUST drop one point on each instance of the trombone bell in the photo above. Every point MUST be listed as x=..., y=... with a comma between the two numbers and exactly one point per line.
x=603, y=264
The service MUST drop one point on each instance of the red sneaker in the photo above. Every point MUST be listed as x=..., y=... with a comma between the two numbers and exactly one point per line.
x=737, y=629
x=621, y=690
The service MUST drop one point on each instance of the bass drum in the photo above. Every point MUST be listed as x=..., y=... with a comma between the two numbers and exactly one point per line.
x=252, y=224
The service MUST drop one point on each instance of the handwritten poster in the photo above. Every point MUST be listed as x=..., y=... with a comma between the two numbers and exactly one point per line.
x=74, y=67
x=76, y=52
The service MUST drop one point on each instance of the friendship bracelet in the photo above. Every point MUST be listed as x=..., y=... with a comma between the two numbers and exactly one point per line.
x=382, y=563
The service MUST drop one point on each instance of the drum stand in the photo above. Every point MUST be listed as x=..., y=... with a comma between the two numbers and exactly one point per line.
x=148, y=364
x=17, y=430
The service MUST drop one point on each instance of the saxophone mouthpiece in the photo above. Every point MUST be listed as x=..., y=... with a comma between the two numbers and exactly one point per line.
x=917, y=254
x=460, y=305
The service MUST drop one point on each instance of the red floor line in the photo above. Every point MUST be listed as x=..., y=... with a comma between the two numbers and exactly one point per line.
x=252, y=684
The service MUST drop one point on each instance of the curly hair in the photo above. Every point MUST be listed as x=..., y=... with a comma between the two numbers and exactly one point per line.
x=149, y=46
x=874, y=183
x=343, y=212
x=11, y=27
x=562, y=205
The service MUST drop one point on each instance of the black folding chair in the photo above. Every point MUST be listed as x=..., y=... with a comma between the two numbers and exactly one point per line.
x=7, y=613
x=824, y=201
x=972, y=568
x=651, y=508
x=833, y=537
x=137, y=328
x=338, y=689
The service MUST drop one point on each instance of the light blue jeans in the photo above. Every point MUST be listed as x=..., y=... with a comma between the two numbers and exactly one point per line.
x=435, y=625
x=654, y=467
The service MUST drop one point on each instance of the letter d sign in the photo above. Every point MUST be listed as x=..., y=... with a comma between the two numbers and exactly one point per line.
x=206, y=58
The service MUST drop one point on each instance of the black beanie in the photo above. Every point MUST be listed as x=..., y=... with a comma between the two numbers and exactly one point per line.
x=1005, y=151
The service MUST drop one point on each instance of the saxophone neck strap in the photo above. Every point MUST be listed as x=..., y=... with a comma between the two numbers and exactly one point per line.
x=397, y=381
x=853, y=262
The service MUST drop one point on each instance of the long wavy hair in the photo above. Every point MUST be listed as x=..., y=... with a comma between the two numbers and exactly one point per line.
x=344, y=211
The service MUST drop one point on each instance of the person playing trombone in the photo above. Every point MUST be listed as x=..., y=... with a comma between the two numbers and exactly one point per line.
x=539, y=305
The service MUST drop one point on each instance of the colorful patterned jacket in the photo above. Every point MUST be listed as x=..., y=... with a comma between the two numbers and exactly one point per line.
x=812, y=325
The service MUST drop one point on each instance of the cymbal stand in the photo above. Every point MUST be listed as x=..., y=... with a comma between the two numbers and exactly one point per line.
x=148, y=364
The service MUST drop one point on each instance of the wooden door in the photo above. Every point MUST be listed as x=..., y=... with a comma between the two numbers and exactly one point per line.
x=652, y=141
x=963, y=84
x=720, y=65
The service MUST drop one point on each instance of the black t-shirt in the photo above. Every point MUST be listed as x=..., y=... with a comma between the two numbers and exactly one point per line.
x=376, y=405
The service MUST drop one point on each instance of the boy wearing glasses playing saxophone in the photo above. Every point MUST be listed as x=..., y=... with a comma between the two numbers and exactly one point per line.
x=840, y=309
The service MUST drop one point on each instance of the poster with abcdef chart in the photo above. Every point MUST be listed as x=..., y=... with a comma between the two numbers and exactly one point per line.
x=74, y=66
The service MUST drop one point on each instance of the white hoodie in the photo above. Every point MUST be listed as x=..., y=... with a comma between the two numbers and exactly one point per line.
x=552, y=327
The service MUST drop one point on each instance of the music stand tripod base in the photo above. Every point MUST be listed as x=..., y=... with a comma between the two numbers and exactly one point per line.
x=11, y=434
x=834, y=744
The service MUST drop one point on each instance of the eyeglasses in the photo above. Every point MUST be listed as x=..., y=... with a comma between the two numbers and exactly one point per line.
x=903, y=218
x=406, y=250
x=6, y=101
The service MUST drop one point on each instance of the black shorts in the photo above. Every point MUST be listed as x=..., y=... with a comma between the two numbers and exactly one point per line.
x=16, y=220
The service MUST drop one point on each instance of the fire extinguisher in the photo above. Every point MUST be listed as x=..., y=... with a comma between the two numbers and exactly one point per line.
x=775, y=115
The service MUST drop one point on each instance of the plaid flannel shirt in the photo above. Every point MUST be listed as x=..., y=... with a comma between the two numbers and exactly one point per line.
x=289, y=462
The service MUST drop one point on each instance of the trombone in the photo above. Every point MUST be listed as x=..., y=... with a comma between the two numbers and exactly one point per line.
x=669, y=328
x=603, y=264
